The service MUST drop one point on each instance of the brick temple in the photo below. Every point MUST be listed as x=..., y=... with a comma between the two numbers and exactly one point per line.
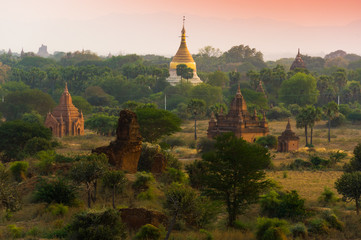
x=288, y=141
x=298, y=62
x=239, y=121
x=65, y=120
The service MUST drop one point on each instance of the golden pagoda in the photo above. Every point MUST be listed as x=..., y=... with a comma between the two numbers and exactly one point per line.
x=183, y=56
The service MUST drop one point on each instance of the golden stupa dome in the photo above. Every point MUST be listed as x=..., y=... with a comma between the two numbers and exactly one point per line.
x=183, y=56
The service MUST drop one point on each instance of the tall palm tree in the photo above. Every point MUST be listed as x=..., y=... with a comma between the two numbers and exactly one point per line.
x=196, y=107
x=331, y=111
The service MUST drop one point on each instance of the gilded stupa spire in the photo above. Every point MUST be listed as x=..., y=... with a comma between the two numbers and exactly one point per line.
x=183, y=55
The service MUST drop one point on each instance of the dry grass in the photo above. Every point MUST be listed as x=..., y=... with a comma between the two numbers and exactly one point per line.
x=309, y=184
x=217, y=234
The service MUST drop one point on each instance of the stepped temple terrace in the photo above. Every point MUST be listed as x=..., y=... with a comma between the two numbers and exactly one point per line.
x=65, y=120
x=182, y=56
x=298, y=62
x=238, y=121
x=288, y=141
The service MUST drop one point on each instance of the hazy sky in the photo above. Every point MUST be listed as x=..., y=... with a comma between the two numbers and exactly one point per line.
x=144, y=26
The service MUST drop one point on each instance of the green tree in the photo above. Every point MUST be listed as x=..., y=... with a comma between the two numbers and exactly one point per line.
x=102, y=124
x=315, y=115
x=331, y=111
x=300, y=89
x=82, y=104
x=115, y=180
x=156, y=123
x=196, y=107
x=235, y=173
x=349, y=185
x=14, y=136
x=97, y=225
x=303, y=121
x=18, y=103
x=355, y=162
x=184, y=71
x=9, y=197
x=87, y=171
x=340, y=78
x=181, y=202
x=219, y=79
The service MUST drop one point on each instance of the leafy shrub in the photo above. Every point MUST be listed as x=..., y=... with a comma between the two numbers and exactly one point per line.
x=37, y=144
x=338, y=121
x=327, y=197
x=148, y=232
x=318, y=226
x=354, y=117
x=299, y=164
x=336, y=157
x=294, y=109
x=149, y=151
x=283, y=205
x=102, y=225
x=57, y=190
x=332, y=220
x=34, y=232
x=240, y=226
x=57, y=233
x=319, y=162
x=194, y=171
x=345, y=110
x=272, y=229
x=174, y=141
x=205, y=145
x=146, y=195
x=208, y=234
x=58, y=209
x=19, y=169
x=14, y=231
x=63, y=159
x=46, y=161
x=278, y=113
x=172, y=161
x=143, y=181
x=299, y=230
x=173, y=175
x=268, y=141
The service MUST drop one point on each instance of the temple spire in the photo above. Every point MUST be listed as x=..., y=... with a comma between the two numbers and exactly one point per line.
x=239, y=91
x=298, y=52
x=66, y=87
x=288, y=127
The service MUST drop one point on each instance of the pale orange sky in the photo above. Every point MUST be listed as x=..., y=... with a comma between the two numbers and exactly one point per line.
x=153, y=26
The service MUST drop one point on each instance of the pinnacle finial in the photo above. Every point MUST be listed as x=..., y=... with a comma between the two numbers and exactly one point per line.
x=239, y=91
x=183, y=29
x=288, y=127
x=66, y=87
x=298, y=52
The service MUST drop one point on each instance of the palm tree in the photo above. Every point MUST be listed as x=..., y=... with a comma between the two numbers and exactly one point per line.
x=314, y=116
x=303, y=121
x=331, y=111
x=196, y=107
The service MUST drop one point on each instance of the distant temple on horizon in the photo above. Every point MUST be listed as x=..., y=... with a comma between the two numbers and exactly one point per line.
x=239, y=121
x=182, y=56
x=298, y=62
x=65, y=120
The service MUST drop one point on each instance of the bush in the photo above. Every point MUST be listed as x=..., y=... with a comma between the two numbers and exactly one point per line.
x=327, y=197
x=14, y=231
x=268, y=141
x=19, y=169
x=345, y=109
x=318, y=226
x=174, y=141
x=283, y=205
x=143, y=181
x=272, y=229
x=319, y=162
x=46, y=160
x=148, y=232
x=336, y=157
x=338, y=121
x=278, y=113
x=205, y=145
x=58, y=209
x=58, y=191
x=299, y=164
x=149, y=151
x=354, y=117
x=294, y=109
x=37, y=144
x=332, y=220
x=299, y=230
x=208, y=234
x=173, y=175
x=102, y=225
x=195, y=171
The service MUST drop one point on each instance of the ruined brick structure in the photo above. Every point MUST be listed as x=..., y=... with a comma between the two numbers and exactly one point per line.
x=65, y=120
x=298, y=62
x=238, y=121
x=125, y=151
x=288, y=141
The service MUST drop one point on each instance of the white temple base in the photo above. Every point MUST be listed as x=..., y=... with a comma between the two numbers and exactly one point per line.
x=174, y=79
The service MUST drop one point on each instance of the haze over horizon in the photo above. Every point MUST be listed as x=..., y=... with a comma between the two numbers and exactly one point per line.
x=276, y=28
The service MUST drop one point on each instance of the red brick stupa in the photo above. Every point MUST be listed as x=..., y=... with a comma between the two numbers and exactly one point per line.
x=65, y=120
